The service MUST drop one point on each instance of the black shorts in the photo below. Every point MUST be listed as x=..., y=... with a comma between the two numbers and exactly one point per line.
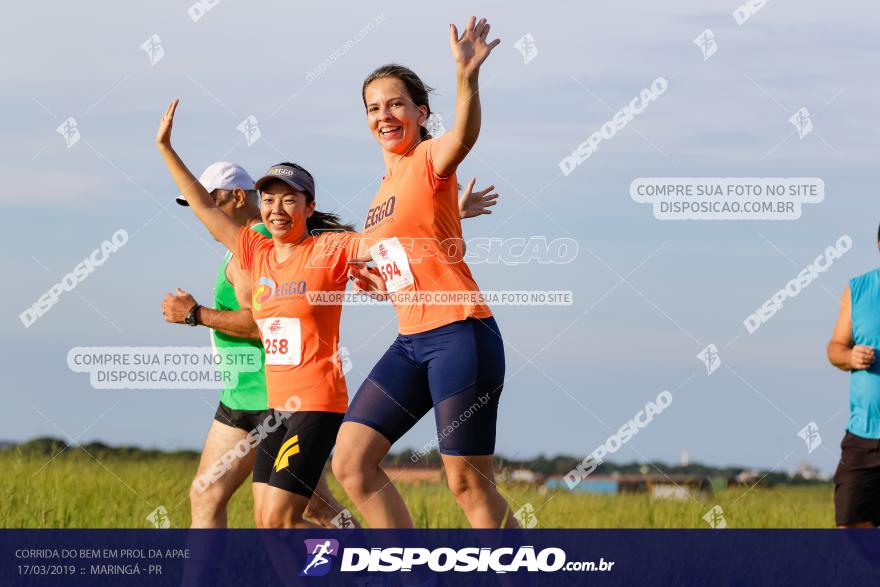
x=857, y=481
x=296, y=452
x=248, y=420
x=245, y=420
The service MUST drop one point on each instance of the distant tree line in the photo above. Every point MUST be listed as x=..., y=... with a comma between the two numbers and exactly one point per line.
x=48, y=447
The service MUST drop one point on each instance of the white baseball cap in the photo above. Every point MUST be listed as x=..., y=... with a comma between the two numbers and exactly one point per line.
x=223, y=176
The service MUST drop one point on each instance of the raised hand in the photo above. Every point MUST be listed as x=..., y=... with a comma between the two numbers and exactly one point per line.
x=470, y=49
x=472, y=203
x=163, y=135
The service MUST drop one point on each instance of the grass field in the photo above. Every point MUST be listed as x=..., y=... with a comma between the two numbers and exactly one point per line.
x=75, y=491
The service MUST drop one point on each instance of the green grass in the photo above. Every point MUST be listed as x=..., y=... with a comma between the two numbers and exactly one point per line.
x=74, y=491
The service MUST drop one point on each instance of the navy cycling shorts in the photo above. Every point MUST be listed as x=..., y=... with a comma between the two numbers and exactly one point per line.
x=457, y=369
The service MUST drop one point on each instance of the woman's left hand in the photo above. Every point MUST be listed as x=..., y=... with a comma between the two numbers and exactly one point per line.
x=471, y=49
x=474, y=203
x=366, y=280
x=163, y=135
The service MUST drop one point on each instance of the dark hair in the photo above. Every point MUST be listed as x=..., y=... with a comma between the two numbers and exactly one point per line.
x=323, y=221
x=320, y=221
x=417, y=89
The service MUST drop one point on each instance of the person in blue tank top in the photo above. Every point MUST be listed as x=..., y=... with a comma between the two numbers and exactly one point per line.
x=853, y=348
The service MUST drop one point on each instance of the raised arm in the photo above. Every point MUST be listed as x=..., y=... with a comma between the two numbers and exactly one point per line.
x=469, y=50
x=842, y=352
x=223, y=228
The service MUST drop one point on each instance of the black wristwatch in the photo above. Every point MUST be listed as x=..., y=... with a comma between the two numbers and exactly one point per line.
x=192, y=318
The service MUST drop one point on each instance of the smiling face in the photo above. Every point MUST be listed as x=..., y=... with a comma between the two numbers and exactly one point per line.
x=393, y=118
x=284, y=211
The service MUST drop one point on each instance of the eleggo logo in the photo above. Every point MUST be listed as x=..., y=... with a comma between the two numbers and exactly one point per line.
x=439, y=560
x=263, y=292
x=318, y=551
x=380, y=212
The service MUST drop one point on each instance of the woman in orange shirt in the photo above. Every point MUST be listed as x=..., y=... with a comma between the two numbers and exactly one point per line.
x=290, y=272
x=304, y=381
x=449, y=355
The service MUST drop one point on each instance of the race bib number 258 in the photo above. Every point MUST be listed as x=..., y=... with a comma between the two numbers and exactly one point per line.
x=282, y=340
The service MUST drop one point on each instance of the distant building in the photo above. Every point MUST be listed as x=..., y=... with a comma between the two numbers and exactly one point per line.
x=658, y=486
x=670, y=491
x=606, y=484
x=748, y=477
x=525, y=476
x=810, y=473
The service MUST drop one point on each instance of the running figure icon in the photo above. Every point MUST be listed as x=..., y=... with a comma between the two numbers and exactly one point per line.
x=318, y=554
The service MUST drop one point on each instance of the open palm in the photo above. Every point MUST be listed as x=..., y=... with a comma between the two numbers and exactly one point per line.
x=470, y=49
x=163, y=135
x=474, y=203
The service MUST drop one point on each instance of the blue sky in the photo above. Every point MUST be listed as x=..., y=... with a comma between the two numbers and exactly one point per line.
x=649, y=294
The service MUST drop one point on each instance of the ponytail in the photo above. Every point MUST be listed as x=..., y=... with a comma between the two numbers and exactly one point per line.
x=326, y=221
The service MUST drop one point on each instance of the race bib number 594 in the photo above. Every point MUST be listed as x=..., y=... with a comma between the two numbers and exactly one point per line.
x=392, y=263
x=282, y=340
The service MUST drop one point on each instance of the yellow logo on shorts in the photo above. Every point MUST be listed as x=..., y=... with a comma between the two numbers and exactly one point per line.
x=288, y=449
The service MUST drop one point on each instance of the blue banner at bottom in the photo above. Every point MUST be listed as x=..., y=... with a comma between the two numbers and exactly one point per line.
x=372, y=558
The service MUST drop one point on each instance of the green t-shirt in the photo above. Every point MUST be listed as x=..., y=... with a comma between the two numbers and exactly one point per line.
x=250, y=393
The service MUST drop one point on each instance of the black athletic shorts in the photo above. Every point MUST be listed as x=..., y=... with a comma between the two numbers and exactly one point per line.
x=248, y=420
x=245, y=420
x=295, y=453
x=857, y=481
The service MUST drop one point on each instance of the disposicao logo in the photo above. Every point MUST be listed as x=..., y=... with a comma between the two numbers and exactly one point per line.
x=320, y=554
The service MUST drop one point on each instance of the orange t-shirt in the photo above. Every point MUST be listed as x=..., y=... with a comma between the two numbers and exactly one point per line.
x=300, y=338
x=414, y=233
